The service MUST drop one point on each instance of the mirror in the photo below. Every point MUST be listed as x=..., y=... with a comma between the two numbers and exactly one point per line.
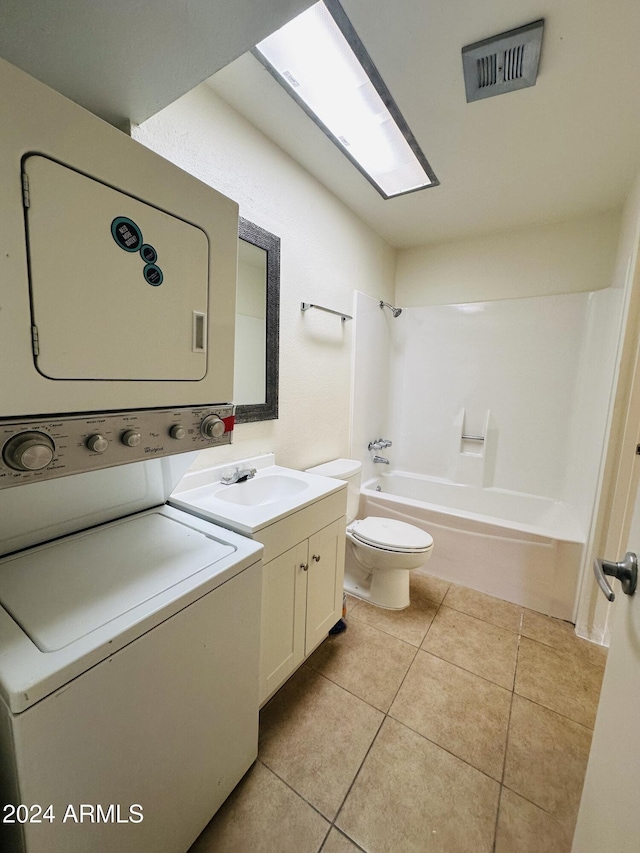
x=257, y=324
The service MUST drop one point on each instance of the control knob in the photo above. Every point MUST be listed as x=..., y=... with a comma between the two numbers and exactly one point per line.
x=212, y=427
x=97, y=443
x=131, y=438
x=177, y=431
x=29, y=451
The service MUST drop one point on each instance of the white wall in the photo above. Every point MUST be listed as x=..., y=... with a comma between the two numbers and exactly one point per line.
x=326, y=254
x=372, y=365
x=557, y=257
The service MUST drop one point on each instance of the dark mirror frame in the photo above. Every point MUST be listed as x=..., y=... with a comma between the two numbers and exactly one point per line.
x=268, y=410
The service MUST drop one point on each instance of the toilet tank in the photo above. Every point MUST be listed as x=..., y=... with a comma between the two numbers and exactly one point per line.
x=348, y=470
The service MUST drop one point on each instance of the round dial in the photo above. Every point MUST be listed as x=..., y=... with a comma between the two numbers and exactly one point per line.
x=29, y=451
x=131, y=438
x=177, y=431
x=212, y=427
x=97, y=443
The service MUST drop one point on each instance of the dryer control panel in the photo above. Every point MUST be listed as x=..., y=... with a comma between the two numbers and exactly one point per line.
x=36, y=449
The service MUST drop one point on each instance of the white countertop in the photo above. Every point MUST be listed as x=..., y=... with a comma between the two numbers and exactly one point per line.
x=202, y=493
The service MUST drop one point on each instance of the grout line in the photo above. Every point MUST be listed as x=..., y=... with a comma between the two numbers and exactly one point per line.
x=486, y=621
x=385, y=632
x=395, y=695
x=553, y=711
x=468, y=671
x=324, y=840
x=443, y=748
x=506, y=744
x=297, y=793
x=342, y=833
x=533, y=803
x=346, y=690
x=513, y=693
x=566, y=653
x=436, y=604
x=357, y=773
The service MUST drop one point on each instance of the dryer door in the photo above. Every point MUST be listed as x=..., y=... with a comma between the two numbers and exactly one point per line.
x=118, y=287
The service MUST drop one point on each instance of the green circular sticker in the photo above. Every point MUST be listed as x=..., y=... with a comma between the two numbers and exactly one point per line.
x=153, y=275
x=148, y=254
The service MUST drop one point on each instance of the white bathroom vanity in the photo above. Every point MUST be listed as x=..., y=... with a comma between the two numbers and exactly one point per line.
x=300, y=520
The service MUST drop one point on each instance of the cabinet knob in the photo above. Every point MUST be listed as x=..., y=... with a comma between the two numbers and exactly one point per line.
x=316, y=558
x=304, y=566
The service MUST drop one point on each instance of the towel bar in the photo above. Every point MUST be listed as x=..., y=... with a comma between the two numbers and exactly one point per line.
x=304, y=306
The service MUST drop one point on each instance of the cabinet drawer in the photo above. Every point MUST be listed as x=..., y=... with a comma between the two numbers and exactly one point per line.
x=284, y=534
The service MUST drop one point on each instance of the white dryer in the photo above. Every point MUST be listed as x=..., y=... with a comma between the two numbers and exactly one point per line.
x=119, y=268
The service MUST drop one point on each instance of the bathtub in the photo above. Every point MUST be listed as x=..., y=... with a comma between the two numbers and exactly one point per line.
x=522, y=548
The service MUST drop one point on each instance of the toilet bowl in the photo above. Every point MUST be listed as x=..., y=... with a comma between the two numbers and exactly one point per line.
x=381, y=552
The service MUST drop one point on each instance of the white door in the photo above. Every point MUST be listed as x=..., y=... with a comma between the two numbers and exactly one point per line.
x=118, y=287
x=609, y=817
x=325, y=582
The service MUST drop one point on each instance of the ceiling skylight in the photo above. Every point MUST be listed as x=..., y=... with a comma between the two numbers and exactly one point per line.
x=322, y=63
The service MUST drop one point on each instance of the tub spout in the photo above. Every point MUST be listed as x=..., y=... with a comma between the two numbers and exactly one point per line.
x=381, y=459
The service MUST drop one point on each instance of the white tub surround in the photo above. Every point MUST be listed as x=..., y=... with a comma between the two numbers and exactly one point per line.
x=530, y=376
x=519, y=547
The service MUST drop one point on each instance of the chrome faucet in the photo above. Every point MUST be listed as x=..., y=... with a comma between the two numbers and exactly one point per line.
x=381, y=459
x=238, y=476
x=378, y=444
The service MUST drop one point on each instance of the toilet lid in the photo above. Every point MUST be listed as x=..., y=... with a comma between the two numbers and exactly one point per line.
x=391, y=534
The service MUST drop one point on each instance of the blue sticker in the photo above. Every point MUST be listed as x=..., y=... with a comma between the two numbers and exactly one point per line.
x=126, y=234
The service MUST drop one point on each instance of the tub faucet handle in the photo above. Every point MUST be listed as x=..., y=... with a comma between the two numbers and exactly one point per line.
x=375, y=445
x=384, y=442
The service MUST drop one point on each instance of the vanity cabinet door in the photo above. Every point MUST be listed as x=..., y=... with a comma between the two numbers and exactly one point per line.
x=325, y=582
x=301, y=601
x=284, y=595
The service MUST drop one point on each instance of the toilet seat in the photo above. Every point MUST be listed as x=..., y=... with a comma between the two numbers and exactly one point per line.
x=387, y=534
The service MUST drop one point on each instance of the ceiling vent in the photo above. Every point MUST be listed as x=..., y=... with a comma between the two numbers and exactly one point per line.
x=502, y=63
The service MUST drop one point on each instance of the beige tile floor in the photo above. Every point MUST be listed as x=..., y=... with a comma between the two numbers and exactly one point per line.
x=459, y=725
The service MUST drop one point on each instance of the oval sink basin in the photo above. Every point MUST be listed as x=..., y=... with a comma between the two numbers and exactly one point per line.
x=261, y=490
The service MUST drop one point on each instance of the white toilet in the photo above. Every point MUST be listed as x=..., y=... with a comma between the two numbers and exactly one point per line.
x=380, y=551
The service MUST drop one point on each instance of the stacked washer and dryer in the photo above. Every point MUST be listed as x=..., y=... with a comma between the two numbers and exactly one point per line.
x=129, y=630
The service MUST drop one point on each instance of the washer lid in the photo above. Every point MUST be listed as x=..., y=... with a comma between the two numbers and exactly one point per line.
x=391, y=534
x=62, y=591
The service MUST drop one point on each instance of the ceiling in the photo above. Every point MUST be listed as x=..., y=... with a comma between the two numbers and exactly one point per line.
x=567, y=147
x=127, y=59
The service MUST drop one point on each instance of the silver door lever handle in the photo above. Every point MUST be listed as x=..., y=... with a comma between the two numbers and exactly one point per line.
x=626, y=571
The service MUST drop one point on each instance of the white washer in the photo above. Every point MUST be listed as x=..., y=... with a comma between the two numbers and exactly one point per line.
x=128, y=678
